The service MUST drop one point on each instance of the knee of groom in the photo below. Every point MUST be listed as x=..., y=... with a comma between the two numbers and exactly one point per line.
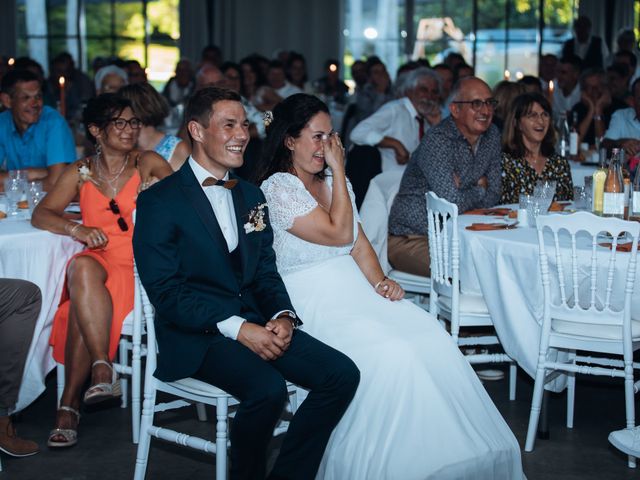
x=346, y=377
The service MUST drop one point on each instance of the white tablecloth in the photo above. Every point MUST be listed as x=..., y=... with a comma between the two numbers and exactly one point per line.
x=504, y=266
x=40, y=257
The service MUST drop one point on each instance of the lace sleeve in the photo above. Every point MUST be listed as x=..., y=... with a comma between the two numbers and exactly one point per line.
x=287, y=199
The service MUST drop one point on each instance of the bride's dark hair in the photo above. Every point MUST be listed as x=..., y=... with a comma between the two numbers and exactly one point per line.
x=289, y=118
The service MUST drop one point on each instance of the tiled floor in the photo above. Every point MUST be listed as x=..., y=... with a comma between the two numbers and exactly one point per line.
x=105, y=450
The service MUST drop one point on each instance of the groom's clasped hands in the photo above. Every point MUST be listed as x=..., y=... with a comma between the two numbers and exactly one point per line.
x=270, y=341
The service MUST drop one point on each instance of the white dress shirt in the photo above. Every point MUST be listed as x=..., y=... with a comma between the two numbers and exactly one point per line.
x=221, y=202
x=561, y=103
x=395, y=119
x=624, y=124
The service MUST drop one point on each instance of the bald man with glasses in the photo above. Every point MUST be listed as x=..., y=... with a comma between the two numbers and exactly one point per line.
x=459, y=160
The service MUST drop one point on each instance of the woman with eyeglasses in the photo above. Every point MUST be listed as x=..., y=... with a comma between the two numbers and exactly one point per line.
x=152, y=109
x=98, y=292
x=528, y=150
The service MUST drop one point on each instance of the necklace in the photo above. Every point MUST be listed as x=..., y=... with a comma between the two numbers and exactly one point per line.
x=113, y=180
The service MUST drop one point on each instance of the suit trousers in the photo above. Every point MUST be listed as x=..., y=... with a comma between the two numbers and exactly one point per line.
x=409, y=253
x=20, y=303
x=260, y=385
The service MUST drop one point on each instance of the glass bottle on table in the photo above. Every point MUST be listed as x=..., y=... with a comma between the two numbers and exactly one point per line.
x=565, y=136
x=597, y=187
x=613, y=198
x=634, y=207
x=573, y=138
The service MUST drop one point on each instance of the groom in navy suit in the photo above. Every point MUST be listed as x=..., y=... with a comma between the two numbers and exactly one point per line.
x=203, y=247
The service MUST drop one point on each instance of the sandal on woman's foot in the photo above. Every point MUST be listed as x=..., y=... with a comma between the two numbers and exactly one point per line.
x=69, y=435
x=103, y=391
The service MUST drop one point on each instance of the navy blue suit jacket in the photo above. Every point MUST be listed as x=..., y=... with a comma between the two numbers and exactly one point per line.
x=186, y=269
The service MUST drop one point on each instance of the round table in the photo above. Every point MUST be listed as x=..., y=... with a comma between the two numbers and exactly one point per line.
x=503, y=266
x=40, y=257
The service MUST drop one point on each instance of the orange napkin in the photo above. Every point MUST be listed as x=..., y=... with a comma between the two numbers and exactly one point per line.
x=2, y=214
x=622, y=247
x=558, y=206
x=498, y=212
x=23, y=204
x=483, y=227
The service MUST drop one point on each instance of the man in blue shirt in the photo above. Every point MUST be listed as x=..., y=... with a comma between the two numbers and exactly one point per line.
x=33, y=137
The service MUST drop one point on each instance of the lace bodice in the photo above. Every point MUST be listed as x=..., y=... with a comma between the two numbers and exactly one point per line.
x=287, y=199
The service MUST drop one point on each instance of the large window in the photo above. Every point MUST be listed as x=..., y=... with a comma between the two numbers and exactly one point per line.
x=147, y=31
x=497, y=37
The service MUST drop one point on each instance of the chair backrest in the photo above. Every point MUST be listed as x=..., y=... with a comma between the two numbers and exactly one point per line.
x=142, y=302
x=374, y=212
x=444, y=246
x=583, y=280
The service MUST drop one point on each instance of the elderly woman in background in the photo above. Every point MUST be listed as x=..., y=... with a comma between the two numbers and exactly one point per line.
x=152, y=109
x=110, y=79
x=505, y=93
x=528, y=153
x=98, y=292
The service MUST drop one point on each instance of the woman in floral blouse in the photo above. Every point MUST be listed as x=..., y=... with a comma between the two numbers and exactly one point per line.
x=528, y=156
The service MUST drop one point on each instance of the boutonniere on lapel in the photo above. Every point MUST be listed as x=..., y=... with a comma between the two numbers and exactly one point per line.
x=256, y=221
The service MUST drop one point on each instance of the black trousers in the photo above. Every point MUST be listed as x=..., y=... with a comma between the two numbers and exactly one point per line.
x=260, y=385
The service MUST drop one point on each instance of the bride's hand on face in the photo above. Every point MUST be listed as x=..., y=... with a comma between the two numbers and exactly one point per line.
x=333, y=151
x=387, y=288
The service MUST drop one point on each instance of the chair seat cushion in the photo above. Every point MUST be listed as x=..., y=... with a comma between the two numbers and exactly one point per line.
x=469, y=304
x=608, y=332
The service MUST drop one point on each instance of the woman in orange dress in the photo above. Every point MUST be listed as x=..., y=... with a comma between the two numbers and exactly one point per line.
x=98, y=292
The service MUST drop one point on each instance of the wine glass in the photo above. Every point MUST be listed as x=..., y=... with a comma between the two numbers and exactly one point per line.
x=13, y=189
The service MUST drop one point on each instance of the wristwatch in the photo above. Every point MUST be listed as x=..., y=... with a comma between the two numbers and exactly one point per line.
x=293, y=318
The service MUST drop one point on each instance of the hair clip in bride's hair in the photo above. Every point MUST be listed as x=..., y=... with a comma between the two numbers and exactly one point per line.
x=267, y=118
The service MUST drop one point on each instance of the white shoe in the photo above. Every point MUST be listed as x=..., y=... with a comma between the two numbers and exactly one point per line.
x=626, y=440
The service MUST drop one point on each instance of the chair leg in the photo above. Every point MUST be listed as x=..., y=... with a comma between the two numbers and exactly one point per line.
x=571, y=397
x=221, y=438
x=59, y=380
x=201, y=411
x=629, y=403
x=513, y=375
x=536, y=403
x=146, y=422
x=123, y=359
x=136, y=385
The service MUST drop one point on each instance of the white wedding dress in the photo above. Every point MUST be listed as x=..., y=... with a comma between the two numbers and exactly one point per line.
x=420, y=411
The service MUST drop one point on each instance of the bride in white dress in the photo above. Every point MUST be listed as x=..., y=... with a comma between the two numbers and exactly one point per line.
x=420, y=411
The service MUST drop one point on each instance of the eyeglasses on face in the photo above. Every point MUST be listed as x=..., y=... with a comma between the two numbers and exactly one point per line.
x=477, y=104
x=534, y=116
x=115, y=209
x=121, y=123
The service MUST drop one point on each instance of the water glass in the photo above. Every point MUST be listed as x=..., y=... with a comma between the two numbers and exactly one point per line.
x=579, y=198
x=18, y=175
x=536, y=207
x=34, y=198
x=34, y=186
x=13, y=189
x=543, y=192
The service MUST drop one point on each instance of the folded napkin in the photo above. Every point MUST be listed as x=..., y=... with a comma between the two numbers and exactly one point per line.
x=498, y=212
x=558, y=206
x=622, y=247
x=483, y=227
x=23, y=204
x=2, y=214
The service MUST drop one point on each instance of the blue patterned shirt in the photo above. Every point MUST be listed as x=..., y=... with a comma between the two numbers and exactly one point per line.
x=47, y=142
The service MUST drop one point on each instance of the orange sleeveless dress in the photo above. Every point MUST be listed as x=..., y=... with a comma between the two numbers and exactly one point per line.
x=116, y=259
